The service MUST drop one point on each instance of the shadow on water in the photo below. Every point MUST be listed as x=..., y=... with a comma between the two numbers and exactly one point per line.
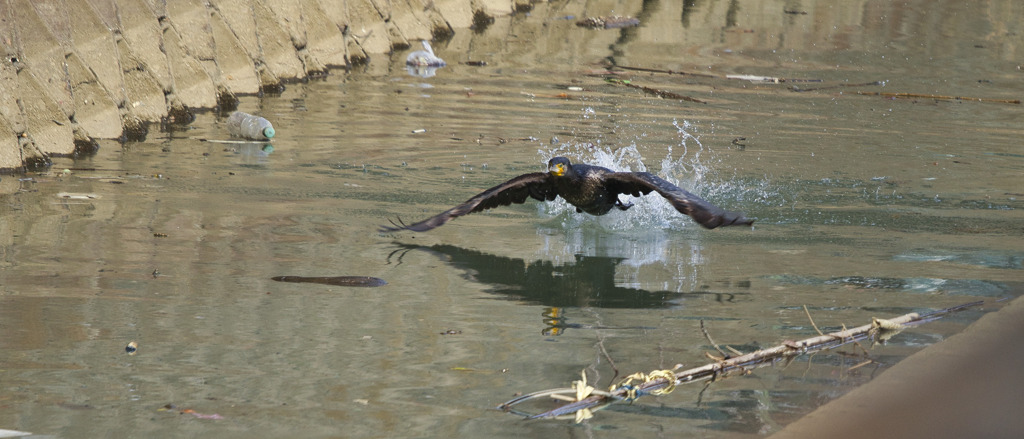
x=589, y=281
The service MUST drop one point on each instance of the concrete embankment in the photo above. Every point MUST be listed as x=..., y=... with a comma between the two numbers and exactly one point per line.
x=78, y=70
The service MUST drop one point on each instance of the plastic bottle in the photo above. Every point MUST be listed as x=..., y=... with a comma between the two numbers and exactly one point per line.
x=249, y=126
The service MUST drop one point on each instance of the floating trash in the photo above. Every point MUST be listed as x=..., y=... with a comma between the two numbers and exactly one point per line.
x=613, y=22
x=249, y=126
x=423, y=63
x=173, y=408
x=77, y=196
x=132, y=348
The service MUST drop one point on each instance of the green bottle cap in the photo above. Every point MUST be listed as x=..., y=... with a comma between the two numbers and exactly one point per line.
x=269, y=132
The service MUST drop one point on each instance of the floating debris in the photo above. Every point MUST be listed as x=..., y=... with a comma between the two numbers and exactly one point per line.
x=77, y=196
x=423, y=63
x=938, y=97
x=613, y=22
x=665, y=94
x=248, y=126
x=172, y=407
x=132, y=348
x=583, y=400
x=341, y=281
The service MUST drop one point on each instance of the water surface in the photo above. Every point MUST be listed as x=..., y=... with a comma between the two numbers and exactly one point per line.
x=866, y=205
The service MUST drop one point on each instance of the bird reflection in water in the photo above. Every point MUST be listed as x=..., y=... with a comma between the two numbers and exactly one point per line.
x=589, y=282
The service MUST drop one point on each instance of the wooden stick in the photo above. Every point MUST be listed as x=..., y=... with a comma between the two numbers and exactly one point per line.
x=713, y=344
x=752, y=78
x=742, y=363
x=812, y=321
x=938, y=97
x=777, y=80
x=659, y=93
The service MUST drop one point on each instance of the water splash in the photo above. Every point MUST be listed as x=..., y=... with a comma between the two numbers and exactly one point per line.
x=692, y=169
x=646, y=234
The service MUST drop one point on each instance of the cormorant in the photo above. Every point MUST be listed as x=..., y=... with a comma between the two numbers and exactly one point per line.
x=592, y=189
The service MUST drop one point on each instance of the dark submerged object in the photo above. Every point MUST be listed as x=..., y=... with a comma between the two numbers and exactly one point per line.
x=341, y=281
x=592, y=189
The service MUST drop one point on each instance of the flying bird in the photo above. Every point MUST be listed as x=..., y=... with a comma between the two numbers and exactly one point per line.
x=591, y=189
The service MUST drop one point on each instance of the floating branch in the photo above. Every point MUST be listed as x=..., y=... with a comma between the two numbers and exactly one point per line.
x=660, y=93
x=751, y=78
x=777, y=80
x=584, y=399
x=936, y=96
x=665, y=71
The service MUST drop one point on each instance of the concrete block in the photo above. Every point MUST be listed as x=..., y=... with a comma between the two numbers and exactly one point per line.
x=9, y=65
x=191, y=19
x=439, y=26
x=336, y=11
x=263, y=40
x=43, y=52
x=95, y=111
x=494, y=8
x=238, y=72
x=142, y=32
x=455, y=13
x=96, y=48
x=414, y=23
x=277, y=47
x=46, y=123
x=369, y=29
x=238, y=16
x=10, y=153
x=294, y=20
x=146, y=98
x=106, y=10
x=324, y=39
x=191, y=82
x=290, y=20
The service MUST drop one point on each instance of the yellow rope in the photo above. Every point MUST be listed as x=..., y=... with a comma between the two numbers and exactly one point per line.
x=632, y=391
x=668, y=376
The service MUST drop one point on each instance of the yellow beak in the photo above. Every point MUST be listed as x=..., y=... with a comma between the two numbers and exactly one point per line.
x=558, y=170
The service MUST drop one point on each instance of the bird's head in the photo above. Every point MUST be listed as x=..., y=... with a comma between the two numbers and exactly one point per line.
x=559, y=166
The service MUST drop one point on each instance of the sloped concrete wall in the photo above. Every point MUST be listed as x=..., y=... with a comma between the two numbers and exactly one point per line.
x=78, y=70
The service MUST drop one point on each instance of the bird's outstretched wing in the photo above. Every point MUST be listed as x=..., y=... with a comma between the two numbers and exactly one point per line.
x=705, y=213
x=536, y=185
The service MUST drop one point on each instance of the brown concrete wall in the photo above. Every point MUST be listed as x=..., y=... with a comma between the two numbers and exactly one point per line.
x=78, y=70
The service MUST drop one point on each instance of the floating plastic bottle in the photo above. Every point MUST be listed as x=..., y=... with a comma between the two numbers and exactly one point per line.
x=250, y=127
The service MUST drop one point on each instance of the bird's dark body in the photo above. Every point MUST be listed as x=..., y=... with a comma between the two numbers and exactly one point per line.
x=594, y=198
x=591, y=189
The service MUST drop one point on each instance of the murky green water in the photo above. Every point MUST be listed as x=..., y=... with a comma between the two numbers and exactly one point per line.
x=866, y=206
